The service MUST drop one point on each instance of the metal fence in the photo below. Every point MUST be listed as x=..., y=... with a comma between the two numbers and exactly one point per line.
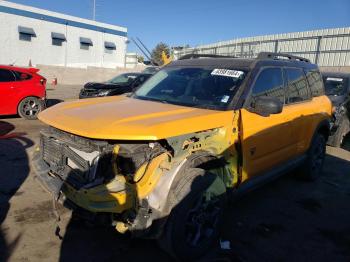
x=328, y=47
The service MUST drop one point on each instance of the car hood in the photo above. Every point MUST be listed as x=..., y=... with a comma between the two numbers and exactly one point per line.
x=93, y=85
x=125, y=118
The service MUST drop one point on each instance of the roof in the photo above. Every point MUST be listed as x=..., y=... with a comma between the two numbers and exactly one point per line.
x=215, y=62
x=244, y=63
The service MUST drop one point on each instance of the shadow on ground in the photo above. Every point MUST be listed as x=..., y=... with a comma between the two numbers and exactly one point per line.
x=287, y=220
x=14, y=169
x=293, y=220
x=52, y=102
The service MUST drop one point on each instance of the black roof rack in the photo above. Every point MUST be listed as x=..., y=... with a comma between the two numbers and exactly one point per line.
x=271, y=55
x=194, y=56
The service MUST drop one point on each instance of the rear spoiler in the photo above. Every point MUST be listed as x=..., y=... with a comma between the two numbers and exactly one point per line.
x=33, y=70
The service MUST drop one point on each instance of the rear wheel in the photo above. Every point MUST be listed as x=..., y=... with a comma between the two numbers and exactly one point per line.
x=312, y=168
x=193, y=225
x=30, y=107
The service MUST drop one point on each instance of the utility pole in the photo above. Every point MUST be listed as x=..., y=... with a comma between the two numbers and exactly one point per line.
x=94, y=10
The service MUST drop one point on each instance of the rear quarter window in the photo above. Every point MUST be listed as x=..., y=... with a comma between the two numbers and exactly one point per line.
x=20, y=76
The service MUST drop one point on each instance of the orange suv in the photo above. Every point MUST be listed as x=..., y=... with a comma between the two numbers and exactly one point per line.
x=159, y=162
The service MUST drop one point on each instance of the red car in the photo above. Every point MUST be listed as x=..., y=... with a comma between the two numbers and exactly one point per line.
x=22, y=91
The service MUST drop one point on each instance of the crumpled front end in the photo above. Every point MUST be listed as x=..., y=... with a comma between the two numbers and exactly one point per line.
x=97, y=176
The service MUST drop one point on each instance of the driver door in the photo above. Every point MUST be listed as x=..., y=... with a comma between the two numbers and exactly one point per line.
x=8, y=92
x=266, y=141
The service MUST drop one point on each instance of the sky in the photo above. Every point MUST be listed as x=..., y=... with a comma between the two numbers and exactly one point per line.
x=196, y=22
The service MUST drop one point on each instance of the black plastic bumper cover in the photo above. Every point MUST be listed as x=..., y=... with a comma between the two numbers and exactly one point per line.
x=52, y=184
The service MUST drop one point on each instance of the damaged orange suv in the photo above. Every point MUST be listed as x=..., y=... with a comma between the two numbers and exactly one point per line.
x=159, y=163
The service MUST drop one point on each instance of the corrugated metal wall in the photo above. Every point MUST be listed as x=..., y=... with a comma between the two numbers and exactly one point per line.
x=327, y=47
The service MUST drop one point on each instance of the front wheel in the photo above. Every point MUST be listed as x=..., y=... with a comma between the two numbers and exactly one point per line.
x=312, y=168
x=193, y=225
x=30, y=107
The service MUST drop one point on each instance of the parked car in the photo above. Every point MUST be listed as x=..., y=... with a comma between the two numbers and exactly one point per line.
x=162, y=162
x=118, y=85
x=22, y=91
x=337, y=87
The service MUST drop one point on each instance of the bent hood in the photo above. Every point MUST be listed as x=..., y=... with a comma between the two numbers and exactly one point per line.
x=124, y=118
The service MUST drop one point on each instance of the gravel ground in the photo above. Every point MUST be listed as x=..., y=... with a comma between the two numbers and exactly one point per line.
x=287, y=220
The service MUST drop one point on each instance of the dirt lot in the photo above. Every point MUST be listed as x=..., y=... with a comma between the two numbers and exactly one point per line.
x=287, y=220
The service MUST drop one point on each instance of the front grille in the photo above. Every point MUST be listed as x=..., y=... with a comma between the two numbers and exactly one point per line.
x=66, y=162
x=51, y=151
x=89, y=92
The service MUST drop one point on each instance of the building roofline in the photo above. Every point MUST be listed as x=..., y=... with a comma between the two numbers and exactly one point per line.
x=278, y=36
x=54, y=17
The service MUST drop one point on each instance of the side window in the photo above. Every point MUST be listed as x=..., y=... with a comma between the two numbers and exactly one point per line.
x=21, y=76
x=6, y=76
x=269, y=83
x=315, y=82
x=297, y=89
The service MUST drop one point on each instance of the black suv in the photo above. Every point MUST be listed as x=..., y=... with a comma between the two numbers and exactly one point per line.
x=337, y=87
x=118, y=85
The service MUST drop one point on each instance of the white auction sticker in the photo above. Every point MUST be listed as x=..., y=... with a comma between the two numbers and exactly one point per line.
x=225, y=99
x=334, y=79
x=227, y=72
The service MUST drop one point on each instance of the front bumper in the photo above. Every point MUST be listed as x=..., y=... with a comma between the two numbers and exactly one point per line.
x=82, y=96
x=114, y=197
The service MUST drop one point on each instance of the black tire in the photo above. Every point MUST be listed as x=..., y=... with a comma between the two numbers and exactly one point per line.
x=312, y=167
x=30, y=107
x=194, y=223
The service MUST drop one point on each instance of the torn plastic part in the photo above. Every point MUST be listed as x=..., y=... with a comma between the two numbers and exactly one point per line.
x=133, y=158
x=190, y=141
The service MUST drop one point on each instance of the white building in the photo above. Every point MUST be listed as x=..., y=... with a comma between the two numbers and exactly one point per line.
x=40, y=37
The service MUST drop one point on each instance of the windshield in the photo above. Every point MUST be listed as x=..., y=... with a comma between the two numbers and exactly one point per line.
x=123, y=79
x=335, y=86
x=191, y=86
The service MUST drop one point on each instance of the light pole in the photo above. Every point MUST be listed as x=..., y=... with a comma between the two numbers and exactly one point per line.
x=94, y=10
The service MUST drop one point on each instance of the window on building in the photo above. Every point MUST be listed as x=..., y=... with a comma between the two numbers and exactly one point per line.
x=269, y=83
x=110, y=47
x=26, y=33
x=6, y=76
x=297, y=89
x=85, y=43
x=315, y=82
x=57, y=38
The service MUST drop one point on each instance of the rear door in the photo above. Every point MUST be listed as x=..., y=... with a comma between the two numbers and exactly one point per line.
x=300, y=103
x=266, y=141
x=8, y=97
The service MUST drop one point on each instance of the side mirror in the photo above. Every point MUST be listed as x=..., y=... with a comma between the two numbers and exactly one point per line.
x=266, y=106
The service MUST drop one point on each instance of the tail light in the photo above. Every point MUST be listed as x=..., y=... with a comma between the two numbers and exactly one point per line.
x=43, y=81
